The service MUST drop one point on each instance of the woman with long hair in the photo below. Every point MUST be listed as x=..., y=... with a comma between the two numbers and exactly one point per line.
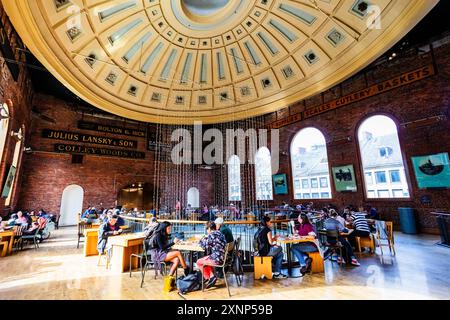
x=300, y=250
x=268, y=246
x=160, y=251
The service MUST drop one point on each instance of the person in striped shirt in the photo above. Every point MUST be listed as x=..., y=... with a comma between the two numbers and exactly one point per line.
x=361, y=227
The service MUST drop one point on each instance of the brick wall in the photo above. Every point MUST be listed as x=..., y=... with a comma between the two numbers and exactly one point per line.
x=47, y=174
x=420, y=100
x=17, y=94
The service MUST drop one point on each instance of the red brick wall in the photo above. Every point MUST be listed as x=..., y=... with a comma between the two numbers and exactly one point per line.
x=17, y=95
x=47, y=174
x=426, y=98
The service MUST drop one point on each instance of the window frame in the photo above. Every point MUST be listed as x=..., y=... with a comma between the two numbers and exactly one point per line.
x=408, y=172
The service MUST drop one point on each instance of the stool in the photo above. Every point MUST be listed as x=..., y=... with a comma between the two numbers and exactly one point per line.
x=5, y=245
x=263, y=267
x=317, y=265
x=107, y=255
x=365, y=242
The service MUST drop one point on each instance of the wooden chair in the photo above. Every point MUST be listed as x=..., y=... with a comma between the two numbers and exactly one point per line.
x=263, y=267
x=5, y=245
x=385, y=232
x=81, y=227
x=222, y=266
x=317, y=265
x=365, y=242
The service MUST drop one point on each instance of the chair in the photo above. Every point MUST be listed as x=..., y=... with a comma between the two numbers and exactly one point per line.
x=365, y=242
x=143, y=256
x=57, y=221
x=5, y=247
x=81, y=227
x=334, y=247
x=317, y=265
x=291, y=227
x=35, y=237
x=236, y=256
x=18, y=232
x=385, y=232
x=223, y=265
x=107, y=254
x=263, y=267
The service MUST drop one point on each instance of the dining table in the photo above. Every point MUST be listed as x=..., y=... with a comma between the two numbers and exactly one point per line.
x=8, y=235
x=289, y=241
x=190, y=246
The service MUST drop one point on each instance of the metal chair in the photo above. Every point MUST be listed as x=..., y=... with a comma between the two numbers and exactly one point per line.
x=143, y=267
x=385, y=232
x=81, y=227
x=236, y=256
x=334, y=247
x=35, y=237
x=107, y=254
x=223, y=265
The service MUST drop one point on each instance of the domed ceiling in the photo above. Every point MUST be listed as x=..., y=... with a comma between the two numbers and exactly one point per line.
x=180, y=61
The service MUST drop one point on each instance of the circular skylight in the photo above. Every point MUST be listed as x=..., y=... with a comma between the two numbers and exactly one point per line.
x=204, y=7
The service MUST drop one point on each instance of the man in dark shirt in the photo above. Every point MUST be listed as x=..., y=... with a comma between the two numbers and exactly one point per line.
x=226, y=231
x=107, y=229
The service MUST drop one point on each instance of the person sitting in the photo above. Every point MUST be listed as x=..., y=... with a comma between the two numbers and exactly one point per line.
x=300, y=250
x=372, y=213
x=86, y=213
x=160, y=249
x=21, y=219
x=361, y=227
x=107, y=229
x=226, y=231
x=334, y=225
x=215, y=242
x=268, y=247
x=334, y=213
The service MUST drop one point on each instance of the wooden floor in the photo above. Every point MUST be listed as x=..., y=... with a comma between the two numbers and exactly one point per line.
x=60, y=271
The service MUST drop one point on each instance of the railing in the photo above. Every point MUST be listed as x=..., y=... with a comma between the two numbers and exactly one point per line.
x=244, y=229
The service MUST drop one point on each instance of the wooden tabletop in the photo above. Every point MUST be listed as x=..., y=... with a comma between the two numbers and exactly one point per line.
x=188, y=246
x=295, y=240
x=124, y=239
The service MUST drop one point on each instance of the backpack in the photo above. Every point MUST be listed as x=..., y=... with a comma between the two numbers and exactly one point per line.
x=150, y=235
x=257, y=245
x=189, y=283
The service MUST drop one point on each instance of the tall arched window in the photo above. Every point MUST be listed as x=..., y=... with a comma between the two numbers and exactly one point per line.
x=311, y=175
x=234, y=178
x=263, y=173
x=4, y=122
x=14, y=166
x=382, y=159
x=193, y=197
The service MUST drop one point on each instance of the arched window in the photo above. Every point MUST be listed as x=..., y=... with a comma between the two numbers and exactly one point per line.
x=193, y=197
x=382, y=159
x=4, y=122
x=263, y=173
x=234, y=178
x=14, y=166
x=311, y=175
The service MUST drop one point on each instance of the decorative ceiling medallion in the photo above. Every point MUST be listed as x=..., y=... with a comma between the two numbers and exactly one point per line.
x=180, y=61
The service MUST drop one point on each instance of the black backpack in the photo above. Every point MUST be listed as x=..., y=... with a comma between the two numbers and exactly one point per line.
x=258, y=243
x=189, y=283
x=150, y=235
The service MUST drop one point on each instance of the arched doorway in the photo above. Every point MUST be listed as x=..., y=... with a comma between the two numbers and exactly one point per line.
x=137, y=195
x=193, y=197
x=71, y=205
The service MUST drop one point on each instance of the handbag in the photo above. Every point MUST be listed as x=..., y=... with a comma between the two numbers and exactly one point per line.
x=169, y=283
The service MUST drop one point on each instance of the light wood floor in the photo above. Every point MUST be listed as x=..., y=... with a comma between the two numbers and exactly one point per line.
x=60, y=271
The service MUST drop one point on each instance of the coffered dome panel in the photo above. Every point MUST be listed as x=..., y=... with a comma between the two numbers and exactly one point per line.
x=180, y=61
